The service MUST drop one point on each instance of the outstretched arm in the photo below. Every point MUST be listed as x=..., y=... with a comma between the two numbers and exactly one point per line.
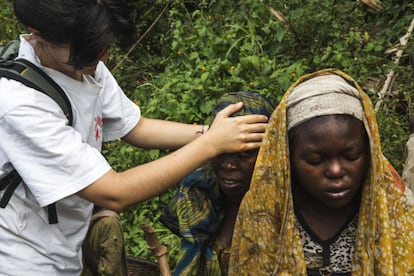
x=160, y=134
x=117, y=191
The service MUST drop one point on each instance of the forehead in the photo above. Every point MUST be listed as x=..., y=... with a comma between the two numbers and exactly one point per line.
x=318, y=130
x=319, y=123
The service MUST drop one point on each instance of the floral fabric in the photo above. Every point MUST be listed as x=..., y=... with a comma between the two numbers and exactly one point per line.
x=195, y=214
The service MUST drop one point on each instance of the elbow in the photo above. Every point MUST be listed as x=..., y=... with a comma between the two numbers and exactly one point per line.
x=117, y=205
x=114, y=191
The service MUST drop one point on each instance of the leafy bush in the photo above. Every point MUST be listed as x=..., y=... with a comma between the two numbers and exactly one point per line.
x=211, y=47
x=8, y=27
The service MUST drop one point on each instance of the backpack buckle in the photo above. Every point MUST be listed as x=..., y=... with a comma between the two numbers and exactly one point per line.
x=10, y=183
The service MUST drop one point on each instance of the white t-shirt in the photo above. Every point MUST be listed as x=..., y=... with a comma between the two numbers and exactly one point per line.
x=55, y=161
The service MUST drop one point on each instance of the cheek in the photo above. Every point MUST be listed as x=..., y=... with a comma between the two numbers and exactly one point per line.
x=306, y=175
x=215, y=164
x=361, y=169
x=250, y=162
x=248, y=165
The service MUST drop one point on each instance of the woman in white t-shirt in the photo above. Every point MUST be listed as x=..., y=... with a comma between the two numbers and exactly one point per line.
x=62, y=164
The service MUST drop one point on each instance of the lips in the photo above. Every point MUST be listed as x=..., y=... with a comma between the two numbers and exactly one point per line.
x=338, y=193
x=229, y=182
x=230, y=185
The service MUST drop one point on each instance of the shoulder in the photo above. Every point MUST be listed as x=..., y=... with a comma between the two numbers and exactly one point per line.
x=106, y=213
x=103, y=75
x=16, y=96
x=11, y=91
x=107, y=219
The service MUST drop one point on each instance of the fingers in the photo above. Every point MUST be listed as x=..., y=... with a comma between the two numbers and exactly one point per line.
x=259, y=120
x=235, y=134
x=244, y=124
x=256, y=128
x=250, y=123
x=245, y=144
x=251, y=146
x=247, y=119
x=230, y=109
x=250, y=133
x=252, y=137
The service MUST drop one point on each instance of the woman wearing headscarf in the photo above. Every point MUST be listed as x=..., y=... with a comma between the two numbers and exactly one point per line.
x=204, y=209
x=323, y=199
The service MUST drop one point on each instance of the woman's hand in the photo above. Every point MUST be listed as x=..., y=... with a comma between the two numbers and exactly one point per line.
x=234, y=134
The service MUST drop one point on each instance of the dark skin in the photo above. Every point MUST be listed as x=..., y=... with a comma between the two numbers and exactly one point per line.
x=330, y=159
x=233, y=175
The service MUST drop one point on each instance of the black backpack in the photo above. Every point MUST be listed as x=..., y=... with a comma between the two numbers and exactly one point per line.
x=30, y=75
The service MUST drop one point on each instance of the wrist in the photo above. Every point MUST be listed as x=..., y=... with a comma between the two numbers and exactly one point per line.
x=203, y=129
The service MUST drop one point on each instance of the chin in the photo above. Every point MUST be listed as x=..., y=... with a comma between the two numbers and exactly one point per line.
x=339, y=204
x=234, y=194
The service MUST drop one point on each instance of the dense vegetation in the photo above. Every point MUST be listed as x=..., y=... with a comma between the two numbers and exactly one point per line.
x=188, y=53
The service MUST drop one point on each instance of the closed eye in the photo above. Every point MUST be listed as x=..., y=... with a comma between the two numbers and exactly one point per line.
x=353, y=154
x=314, y=159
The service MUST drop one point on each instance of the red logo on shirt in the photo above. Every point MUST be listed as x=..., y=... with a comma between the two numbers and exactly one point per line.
x=98, y=127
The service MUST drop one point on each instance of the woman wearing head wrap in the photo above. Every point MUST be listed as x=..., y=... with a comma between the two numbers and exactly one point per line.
x=323, y=199
x=204, y=209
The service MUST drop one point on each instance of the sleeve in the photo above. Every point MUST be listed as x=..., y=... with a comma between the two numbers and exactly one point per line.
x=192, y=213
x=194, y=217
x=50, y=156
x=120, y=114
x=169, y=215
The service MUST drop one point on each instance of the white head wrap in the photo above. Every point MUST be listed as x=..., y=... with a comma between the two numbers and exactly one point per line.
x=323, y=95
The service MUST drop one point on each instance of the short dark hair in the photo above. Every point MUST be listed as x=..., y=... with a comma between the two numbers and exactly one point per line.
x=87, y=26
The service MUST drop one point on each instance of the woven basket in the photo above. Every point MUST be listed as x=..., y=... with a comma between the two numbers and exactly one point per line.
x=138, y=266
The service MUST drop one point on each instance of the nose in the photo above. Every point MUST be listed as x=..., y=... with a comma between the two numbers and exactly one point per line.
x=334, y=169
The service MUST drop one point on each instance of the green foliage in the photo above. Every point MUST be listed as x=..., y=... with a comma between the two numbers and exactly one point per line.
x=8, y=28
x=212, y=47
x=198, y=50
x=148, y=213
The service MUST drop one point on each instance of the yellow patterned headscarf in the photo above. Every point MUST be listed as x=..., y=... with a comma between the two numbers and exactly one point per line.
x=266, y=240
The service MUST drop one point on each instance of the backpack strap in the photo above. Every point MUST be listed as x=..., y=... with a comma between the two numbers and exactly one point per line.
x=9, y=51
x=30, y=75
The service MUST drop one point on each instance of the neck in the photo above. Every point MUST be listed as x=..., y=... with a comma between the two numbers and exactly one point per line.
x=225, y=233
x=323, y=220
x=46, y=57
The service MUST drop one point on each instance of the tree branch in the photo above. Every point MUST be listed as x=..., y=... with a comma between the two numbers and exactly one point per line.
x=390, y=76
x=157, y=249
